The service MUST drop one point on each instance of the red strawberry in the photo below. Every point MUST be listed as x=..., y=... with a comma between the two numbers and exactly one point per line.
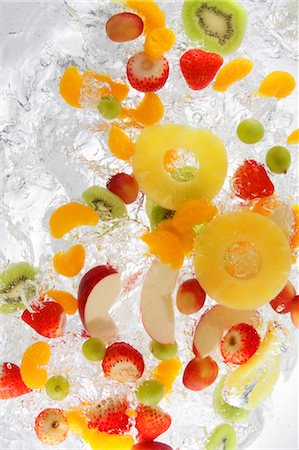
x=239, y=344
x=11, y=383
x=109, y=416
x=146, y=74
x=199, y=68
x=151, y=421
x=48, y=319
x=122, y=363
x=251, y=181
x=51, y=426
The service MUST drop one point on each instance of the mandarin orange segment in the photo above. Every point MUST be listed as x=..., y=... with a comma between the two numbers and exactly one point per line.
x=159, y=41
x=295, y=236
x=70, y=86
x=70, y=263
x=265, y=205
x=69, y=216
x=232, y=72
x=65, y=300
x=151, y=13
x=35, y=356
x=194, y=212
x=106, y=86
x=166, y=246
x=120, y=143
x=77, y=420
x=166, y=373
x=170, y=158
x=150, y=110
x=293, y=138
x=277, y=84
x=104, y=441
x=187, y=239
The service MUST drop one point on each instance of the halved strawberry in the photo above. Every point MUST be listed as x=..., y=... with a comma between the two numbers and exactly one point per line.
x=199, y=67
x=48, y=319
x=11, y=383
x=251, y=181
x=240, y=343
x=122, y=363
x=147, y=74
x=151, y=421
x=110, y=416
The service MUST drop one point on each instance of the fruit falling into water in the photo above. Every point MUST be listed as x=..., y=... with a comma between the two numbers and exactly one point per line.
x=190, y=297
x=124, y=27
x=200, y=373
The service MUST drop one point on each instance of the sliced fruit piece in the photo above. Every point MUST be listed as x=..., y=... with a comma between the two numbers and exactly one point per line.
x=148, y=164
x=252, y=382
x=295, y=311
x=11, y=383
x=125, y=186
x=293, y=138
x=186, y=238
x=151, y=422
x=200, y=373
x=166, y=373
x=152, y=14
x=219, y=24
x=70, y=86
x=193, y=213
x=76, y=420
x=150, y=110
x=105, y=203
x=226, y=411
x=223, y=437
x=105, y=441
x=162, y=351
x=239, y=344
x=213, y=324
x=94, y=349
x=199, y=67
x=250, y=131
x=71, y=215
x=51, y=426
x=242, y=259
x=156, y=213
x=124, y=27
x=14, y=287
x=167, y=246
x=98, y=290
x=118, y=89
x=147, y=74
x=47, y=319
x=109, y=107
x=150, y=392
x=251, y=181
x=190, y=297
x=71, y=262
x=151, y=446
x=122, y=363
x=278, y=159
x=234, y=71
x=120, y=143
x=57, y=387
x=109, y=415
x=64, y=299
x=277, y=84
x=159, y=41
x=156, y=303
x=282, y=302
x=35, y=357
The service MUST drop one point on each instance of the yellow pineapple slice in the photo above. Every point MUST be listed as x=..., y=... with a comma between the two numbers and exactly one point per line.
x=242, y=260
x=149, y=169
x=251, y=383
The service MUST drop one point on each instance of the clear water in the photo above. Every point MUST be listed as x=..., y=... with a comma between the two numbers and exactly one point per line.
x=51, y=153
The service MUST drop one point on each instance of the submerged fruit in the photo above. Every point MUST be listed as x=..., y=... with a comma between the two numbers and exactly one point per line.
x=166, y=246
x=51, y=426
x=120, y=143
x=250, y=131
x=277, y=84
x=239, y=344
x=199, y=67
x=32, y=372
x=124, y=186
x=224, y=409
x=65, y=300
x=231, y=73
x=251, y=181
x=293, y=138
x=151, y=13
x=167, y=372
x=71, y=262
x=57, y=387
x=150, y=110
x=104, y=202
x=124, y=27
x=159, y=41
x=147, y=74
x=150, y=392
x=278, y=159
x=71, y=215
x=223, y=437
x=109, y=107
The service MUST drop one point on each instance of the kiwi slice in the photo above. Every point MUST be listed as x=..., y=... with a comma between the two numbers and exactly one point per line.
x=220, y=24
x=222, y=438
x=104, y=202
x=185, y=173
x=14, y=286
x=226, y=411
x=156, y=213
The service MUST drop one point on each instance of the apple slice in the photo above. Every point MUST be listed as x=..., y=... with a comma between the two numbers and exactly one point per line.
x=214, y=323
x=157, y=311
x=98, y=290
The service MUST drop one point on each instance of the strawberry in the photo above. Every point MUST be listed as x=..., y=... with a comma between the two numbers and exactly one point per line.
x=48, y=319
x=151, y=421
x=147, y=74
x=11, y=383
x=122, y=363
x=51, y=426
x=251, y=181
x=239, y=344
x=110, y=416
x=199, y=68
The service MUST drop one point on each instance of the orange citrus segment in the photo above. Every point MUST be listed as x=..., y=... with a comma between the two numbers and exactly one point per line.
x=150, y=110
x=295, y=236
x=232, y=72
x=36, y=355
x=120, y=143
x=106, y=86
x=152, y=15
x=70, y=86
x=69, y=216
x=265, y=205
x=194, y=212
x=170, y=157
x=187, y=239
x=166, y=246
x=77, y=421
x=166, y=373
x=159, y=41
x=71, y=262
x=294, y=137
x=65, y=300
x=277, y=84
x=105, y=441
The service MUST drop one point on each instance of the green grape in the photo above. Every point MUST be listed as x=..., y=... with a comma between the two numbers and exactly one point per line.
x=278, y=159
x=250, y=131
x=150, y=392
x=161, y=351
x=94, y=349
x=185, y=173
x=57, y=387
x=109, y=107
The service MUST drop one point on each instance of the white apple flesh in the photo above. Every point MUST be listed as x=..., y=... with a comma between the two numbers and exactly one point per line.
x=156, y=306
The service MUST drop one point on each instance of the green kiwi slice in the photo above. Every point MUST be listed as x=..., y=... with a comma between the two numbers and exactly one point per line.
x=220, y=24
x=185, y=173
x=226, y=411
x=104, y=202
x=222, y=438
x=14, y=286
x=156, y=213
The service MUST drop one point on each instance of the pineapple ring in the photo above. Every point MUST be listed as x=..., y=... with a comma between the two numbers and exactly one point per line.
x=258, y=269
x=149, y=169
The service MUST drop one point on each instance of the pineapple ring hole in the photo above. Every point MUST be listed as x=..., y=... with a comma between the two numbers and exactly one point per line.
x=181, y=164
x=242, y=260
